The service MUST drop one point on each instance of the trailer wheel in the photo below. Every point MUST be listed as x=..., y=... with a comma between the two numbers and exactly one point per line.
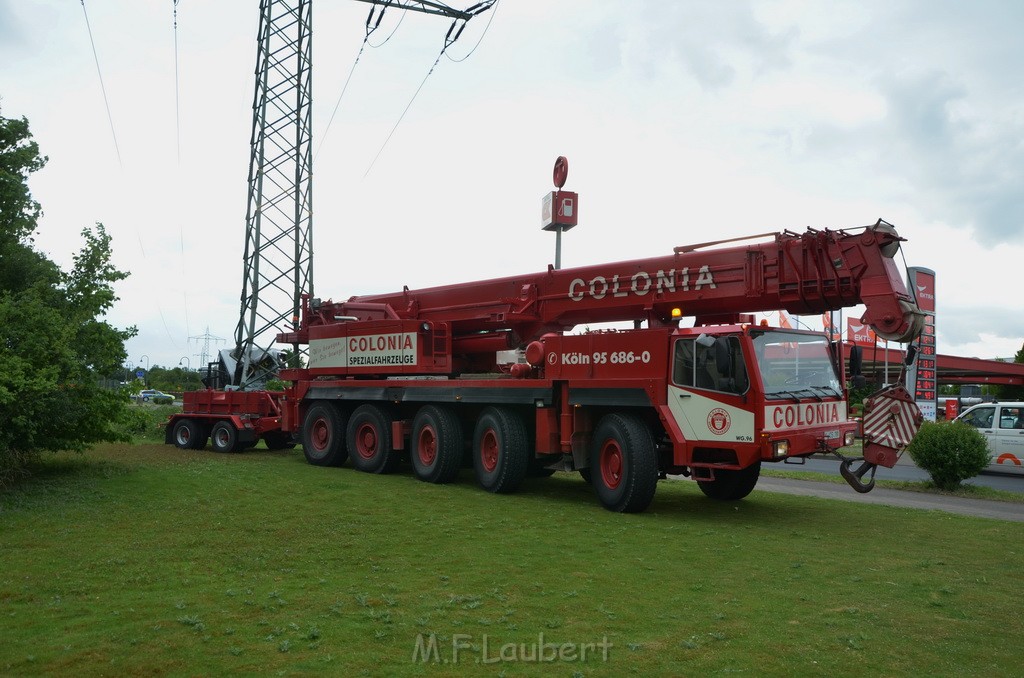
x=436, y=444
x=224, y=437
x=501, y=453
x=731, y=485
x=369, y=440
x=623, y=463
x=278, y=440
x=323, y=436
x=188, y=435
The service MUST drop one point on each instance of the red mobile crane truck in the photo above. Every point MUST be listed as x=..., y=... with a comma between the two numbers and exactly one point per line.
x=415, y=373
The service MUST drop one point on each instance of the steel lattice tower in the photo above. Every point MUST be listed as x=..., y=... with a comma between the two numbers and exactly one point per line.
x=279, y=217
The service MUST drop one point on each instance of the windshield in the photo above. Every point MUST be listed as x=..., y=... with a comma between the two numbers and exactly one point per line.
x=795, y=366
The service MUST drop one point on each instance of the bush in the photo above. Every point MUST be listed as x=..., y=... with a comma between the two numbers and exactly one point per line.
x=950, y=451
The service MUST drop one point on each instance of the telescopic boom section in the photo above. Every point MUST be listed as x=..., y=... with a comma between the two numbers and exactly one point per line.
x=813, y=272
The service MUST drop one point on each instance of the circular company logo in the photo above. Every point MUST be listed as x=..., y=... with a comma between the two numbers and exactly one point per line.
x=552, y=358
x=719, y=421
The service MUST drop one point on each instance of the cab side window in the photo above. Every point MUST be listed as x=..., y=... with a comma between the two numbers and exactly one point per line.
x=1011, y=417
x=981, y=418
x=716, y=366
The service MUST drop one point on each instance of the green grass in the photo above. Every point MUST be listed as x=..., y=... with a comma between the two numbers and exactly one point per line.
x=144, y=559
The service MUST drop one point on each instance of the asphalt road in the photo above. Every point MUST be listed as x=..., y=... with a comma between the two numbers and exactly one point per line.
x=982, y=508
x=905, y=471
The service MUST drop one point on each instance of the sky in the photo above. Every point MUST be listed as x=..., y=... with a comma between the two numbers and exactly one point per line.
x=683, y=122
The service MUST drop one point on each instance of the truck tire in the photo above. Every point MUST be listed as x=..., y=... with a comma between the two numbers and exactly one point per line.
x=437, y=444
x=369, y=440
x=731, y=485
x=501, y=454
x=188, y=435
x=323, y=436
x=623, y=463
x=224, y=437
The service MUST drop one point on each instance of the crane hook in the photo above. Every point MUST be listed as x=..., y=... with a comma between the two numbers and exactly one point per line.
x=855, y=478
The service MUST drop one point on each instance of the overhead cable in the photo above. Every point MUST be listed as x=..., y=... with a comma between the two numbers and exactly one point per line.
x=103, y=89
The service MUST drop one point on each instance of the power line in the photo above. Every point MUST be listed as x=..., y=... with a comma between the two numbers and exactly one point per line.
x=454, y=31
x=177, y=143
x=103, y=89
x=366, y=40
x=486, y=28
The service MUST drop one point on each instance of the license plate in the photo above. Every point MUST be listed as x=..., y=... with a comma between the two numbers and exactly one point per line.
x=832, y=435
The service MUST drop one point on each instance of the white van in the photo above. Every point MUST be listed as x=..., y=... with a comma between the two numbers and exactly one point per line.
x=1002, y=424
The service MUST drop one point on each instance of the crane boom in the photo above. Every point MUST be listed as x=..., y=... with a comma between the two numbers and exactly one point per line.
x=809, y=273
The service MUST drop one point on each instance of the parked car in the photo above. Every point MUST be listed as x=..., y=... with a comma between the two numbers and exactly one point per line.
x=156, y=397
x=1002, y=424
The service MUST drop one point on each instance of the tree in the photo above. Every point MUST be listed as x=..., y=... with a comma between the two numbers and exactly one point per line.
x=54, y=342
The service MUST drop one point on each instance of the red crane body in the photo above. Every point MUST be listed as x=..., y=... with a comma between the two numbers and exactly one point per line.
x=417, y=373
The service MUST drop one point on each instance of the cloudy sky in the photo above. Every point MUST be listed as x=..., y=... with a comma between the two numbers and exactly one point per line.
x=683, y=122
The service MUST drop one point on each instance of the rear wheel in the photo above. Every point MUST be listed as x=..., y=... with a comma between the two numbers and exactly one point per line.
x=623, y=463
x=500, y=450
x=188, y=435
x=436, y=449
x=323, y=436
x=224, y=437
x=369, y=440
x=278, y=440
x=731, y=485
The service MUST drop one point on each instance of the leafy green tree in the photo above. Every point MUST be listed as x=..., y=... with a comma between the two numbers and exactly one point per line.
x=54, y=342
x=173, y=379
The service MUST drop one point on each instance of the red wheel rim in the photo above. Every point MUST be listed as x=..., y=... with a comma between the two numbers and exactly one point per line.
x=489, y=451
x=366, y=441
x=611, y=464
x=321, y=435
x=427, y=446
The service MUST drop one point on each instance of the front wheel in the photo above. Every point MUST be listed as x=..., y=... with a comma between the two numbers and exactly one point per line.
x=731, y=485
x=500, y=450
x=188, y=435
x=369, y=440
x=224, y=437
x=623, y=463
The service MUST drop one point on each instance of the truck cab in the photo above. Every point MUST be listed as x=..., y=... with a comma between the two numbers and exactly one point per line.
x=1002, y=424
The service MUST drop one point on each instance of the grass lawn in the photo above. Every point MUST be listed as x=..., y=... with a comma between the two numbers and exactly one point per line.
x=149, y=560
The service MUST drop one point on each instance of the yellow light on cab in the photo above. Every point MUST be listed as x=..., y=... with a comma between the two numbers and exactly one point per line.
x=677, y=313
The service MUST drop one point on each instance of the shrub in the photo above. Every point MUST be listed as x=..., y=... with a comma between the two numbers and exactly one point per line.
x=950, y=451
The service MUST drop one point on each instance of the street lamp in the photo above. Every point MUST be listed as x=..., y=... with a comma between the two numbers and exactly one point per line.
x=145, y=377
x=188, y=363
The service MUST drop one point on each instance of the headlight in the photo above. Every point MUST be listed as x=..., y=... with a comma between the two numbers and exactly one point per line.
x=848, y=439
x=780, y=448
